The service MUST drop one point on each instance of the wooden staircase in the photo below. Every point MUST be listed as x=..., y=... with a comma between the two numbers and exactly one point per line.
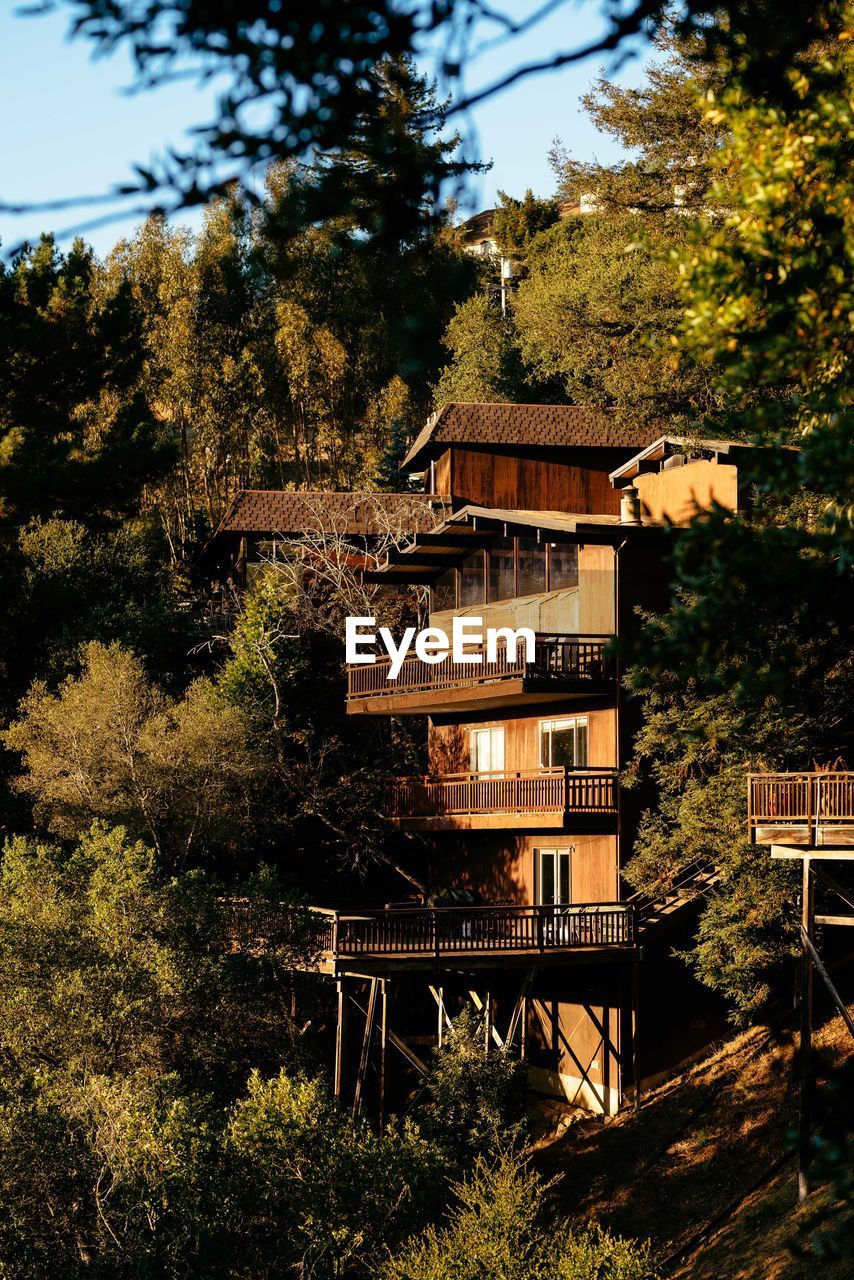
x=654, y=914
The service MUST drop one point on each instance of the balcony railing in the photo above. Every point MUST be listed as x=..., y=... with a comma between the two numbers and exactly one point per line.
x=556, y=658
x=556, y=790
x=434, y=932
x=801, y=808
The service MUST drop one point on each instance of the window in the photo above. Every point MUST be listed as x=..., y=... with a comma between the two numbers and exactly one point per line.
x=564, y=742
x=532, y=567
x=445, y=591
x=263, y=553
x=486, y=747
x=502, y=579
x=563, y=565
x=472, y=584
x=554, y=882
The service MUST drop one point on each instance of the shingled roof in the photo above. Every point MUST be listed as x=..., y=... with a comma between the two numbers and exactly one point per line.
x=557, y=426
x=285, y=511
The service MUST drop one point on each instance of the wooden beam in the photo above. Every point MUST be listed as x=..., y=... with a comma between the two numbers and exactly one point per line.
x=849, y=920
x=460, y=539
x=519, y=1008
x=551, y=1027
x=805, y=1091
x=825, y=976
x=481, y=1007
x=438, y=994
x=791, y=854
x=635, y=1036
x=383, y=1043
x=365, y=1055
x=340, y=1034
x=401, y=1046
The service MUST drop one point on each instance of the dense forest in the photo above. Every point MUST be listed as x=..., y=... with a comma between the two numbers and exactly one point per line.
x=164, y=1106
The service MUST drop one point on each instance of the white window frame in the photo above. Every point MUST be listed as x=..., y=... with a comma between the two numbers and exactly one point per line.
x=495, y=735
x=557, y=853
x=564, y=722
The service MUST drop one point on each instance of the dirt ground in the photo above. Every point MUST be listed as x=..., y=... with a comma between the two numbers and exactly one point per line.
x=705, y=1169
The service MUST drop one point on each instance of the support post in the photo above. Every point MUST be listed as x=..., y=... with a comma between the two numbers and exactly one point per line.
x=440, y=991
x=340, y=1036
x=487, y=1022
x=635, y=1031
x=365, y=1056
x=383, y=1043
x=805, y=1091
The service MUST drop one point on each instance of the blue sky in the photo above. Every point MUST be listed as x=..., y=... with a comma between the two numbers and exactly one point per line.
x=72, y=129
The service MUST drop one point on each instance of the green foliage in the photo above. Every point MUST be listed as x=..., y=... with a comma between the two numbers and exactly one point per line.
x=126, y=1030
x=316, y=1192
x=111, y=745
x=598, y=309
x=596, y=1254
x=75, y=435
x=766, y=686
x=79, y=448
x=496, y=1232
x=516, y=222
x=596, y=312
x=485, y=364
x=768, y=295
x=477, y=1099
x=281, y=351
x=108, y=967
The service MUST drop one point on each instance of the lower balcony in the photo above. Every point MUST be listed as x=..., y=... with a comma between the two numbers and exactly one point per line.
x=532, y=799
x=804, y=810
x=564, y=667
x=417, y=937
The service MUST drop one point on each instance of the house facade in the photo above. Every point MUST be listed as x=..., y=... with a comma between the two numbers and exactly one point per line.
x=549, y=518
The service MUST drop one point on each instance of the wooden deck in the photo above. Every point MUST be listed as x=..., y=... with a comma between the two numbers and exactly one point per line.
x=811, y=810
x=526, y=798
x=421, y=937
x=564, y=667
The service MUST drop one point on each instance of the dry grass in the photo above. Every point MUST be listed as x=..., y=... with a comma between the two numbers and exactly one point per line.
x=695, y=1169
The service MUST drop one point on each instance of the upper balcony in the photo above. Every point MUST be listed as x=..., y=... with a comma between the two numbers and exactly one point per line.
x=527, y=799
x=564, y=667
x=805, y=810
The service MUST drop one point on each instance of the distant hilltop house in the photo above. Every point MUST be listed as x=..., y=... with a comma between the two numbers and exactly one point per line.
x=477, y=232
x=478, y=239
x=548, y=517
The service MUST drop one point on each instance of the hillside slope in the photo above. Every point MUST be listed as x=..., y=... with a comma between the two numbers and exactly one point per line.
x=704, y=1169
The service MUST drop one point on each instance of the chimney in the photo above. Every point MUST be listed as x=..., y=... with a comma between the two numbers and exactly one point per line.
x=630, y=510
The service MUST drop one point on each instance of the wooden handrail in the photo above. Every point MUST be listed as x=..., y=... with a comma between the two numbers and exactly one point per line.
x=556, y=657
x=810, y=800
x=551, y=790
x=431, y=931
x=438, y=931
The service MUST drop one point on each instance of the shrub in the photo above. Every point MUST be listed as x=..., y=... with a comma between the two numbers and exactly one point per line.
x=496, y=1232
x=477, y=1099
x=316, y=1193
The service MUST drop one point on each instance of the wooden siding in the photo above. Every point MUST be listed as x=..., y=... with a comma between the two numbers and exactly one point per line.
x=499, y=865
x=679, y=492
x=528, y=479
x=448, y=744
x=596, y=589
